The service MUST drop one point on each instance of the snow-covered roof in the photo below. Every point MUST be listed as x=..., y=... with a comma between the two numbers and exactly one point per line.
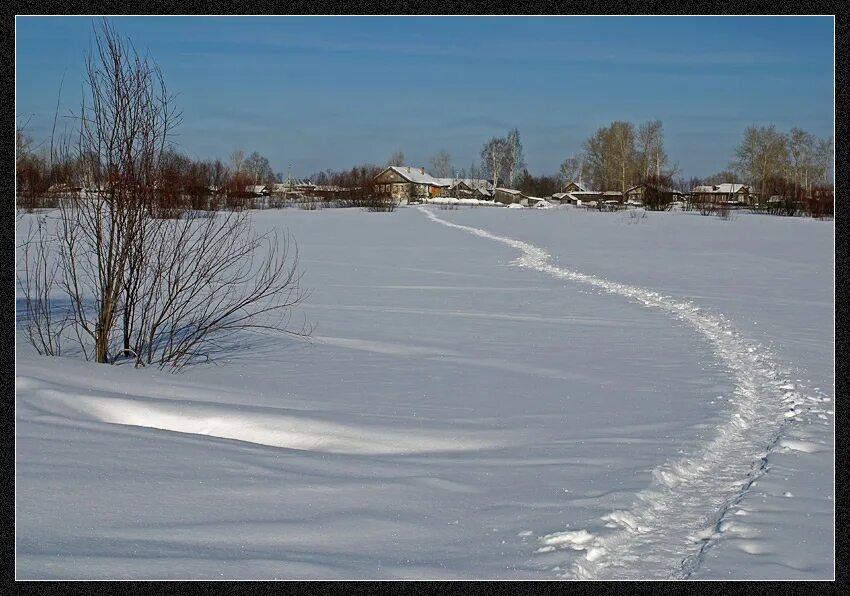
x=510, y=191
x=666, y=189
x=256, y=188
x=293, y=183
x=417, y=175
x=581, y=186
x=726, y=187
x=474, y=183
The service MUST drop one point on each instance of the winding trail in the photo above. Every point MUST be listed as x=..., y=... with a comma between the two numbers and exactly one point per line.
x=671, y=524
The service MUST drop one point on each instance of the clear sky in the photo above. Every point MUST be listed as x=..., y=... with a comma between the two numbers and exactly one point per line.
x=333, y=92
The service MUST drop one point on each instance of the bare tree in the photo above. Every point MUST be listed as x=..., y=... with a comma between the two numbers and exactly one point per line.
x=622, y=136
x=571, y=169
x=237, y=160
x=150, y=289
x=801, y=150
x=207, y=280
x=125, y=120
x=514, y=157
x=493, y=157
x=441, y=164
x=259, y=169
x=598, y=159
x=396, y=159
x=823, y=160
x=763, y=153
x=650, y=146
x=37, y=280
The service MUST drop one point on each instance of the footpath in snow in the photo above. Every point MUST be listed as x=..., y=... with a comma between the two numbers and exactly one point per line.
x=671, y=525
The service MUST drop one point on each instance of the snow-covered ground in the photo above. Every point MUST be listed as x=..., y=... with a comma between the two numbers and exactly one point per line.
x=490, y=393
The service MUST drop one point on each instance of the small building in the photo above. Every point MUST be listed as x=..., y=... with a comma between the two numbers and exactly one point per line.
x=537, y=202
x=65, y=188
x=589, y=198
x=509, y=196
x=292, y=186
x=257, y=190
x=470, y=187
x=483, y=194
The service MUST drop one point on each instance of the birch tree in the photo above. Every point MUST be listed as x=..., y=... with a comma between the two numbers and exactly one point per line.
x=762, y=154
x=650, y=146
x=514, y=156
x=598, y=158
x=493, y=157
x=571, y=169
x=441, y=164
x=237, y=159
x=396, y=159
x=823, y=160
x=622, y=136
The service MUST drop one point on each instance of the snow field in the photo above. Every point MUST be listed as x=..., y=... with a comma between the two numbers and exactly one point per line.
x=449, y=410
x=692, y=495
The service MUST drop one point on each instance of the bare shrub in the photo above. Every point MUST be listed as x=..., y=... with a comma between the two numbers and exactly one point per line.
x=724, y=212
x=376, y=203
x=146, y=278
x=207, y=279
x=636, y=215
x=37, y=279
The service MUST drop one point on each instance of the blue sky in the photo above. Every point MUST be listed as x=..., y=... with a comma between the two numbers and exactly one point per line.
x=332, y=92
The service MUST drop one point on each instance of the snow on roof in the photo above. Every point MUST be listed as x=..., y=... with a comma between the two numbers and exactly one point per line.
x=726, y=187
x=510, y=191
x=292, y=183
x=581, y=186
x=474, y=183
x=255, y=188
x=416, y=175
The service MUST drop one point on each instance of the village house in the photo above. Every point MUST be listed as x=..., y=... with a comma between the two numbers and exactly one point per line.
x=636, y=195
x=575, y=187
x=407, y=182
x=590, y=198
x=64, y=188
x=292, y=186
x=482, y=194
x=471, y=188
x=257, y=190
x=726, y=193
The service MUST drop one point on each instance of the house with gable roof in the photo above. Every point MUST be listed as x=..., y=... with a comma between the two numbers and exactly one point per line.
x=407, y=182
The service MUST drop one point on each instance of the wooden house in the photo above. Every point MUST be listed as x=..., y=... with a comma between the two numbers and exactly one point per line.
x=575, y=187
x=726, y=193
x=406, y=182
